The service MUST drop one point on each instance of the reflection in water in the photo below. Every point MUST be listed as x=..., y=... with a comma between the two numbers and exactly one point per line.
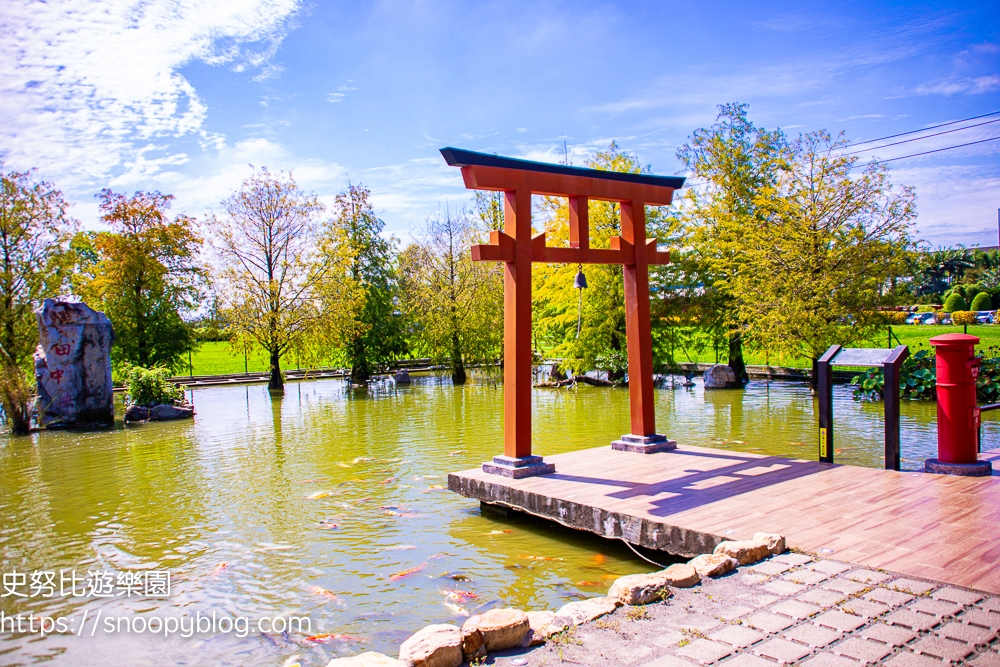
x=317, y=503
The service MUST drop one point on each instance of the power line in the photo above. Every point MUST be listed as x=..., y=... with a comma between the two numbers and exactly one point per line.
x=936, y=150
x=924, y=129
x=928, y=136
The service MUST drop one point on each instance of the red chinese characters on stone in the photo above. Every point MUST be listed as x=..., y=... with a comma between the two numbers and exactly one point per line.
x=62, y=349
x=57, y=374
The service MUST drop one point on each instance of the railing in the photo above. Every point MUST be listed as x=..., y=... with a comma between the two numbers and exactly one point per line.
x=979, y=435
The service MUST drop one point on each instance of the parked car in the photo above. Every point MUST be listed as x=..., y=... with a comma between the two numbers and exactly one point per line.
x=944, y=318
x=915, y=318
x=985, y=316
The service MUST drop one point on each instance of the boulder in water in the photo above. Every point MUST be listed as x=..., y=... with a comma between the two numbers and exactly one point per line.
x=73, y=365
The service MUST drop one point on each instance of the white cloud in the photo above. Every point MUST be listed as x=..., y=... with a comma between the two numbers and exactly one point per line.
x=86, y=87
x=968, y=86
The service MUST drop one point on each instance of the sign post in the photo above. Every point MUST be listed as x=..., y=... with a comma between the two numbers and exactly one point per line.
x=890, y=361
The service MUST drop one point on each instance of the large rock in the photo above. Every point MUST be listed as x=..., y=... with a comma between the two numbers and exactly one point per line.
x=164, y=412
x=640, y=588
x=720, y=376
x=543, y=624
x=775, y=543
x=583, y=611
x=73, y=365
x=713, y=565
x=434, y=646
x=681, y=575
x=744, y=551
x=473, y=644
x=137, y=413
x=402, y=377
x=368, y=659
x=501, y=628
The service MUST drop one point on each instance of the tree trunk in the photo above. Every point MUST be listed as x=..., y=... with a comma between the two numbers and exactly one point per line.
x=458, y=376
x=736, y=357
x=275, y=382
x=814, y=376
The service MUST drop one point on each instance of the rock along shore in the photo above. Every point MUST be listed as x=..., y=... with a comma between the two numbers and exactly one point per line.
x=748, y=604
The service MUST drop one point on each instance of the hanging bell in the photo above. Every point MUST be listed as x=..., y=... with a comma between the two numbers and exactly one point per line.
x=580, y=282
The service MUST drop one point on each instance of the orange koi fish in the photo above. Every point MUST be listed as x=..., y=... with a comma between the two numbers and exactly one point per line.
x=326, y=636
x=322, y=592
x=219, y=568
x=458, y=594
x=406, y=573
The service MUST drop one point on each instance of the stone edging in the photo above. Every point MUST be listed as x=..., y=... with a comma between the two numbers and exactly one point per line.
x=447, y=645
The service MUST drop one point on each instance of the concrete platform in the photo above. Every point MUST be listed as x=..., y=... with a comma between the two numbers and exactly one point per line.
x=688, y=500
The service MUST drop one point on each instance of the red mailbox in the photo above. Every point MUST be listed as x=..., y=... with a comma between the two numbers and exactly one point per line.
x=958, y=415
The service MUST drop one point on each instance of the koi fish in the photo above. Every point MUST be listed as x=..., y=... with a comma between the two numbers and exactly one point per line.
x=458, y=594
x=406, y=573
x=435, y=487
x=391, y=479
x=599, y=559
x=456, y=453
x=587, y=584
x=310, y=481
x=362, y=458
x=392, y=513
x=838, y=451
x=326, y=525
x=552, y=558
x=497, y=532
x=456, y=609
x=738, y=442
x=319, y=494
x=322, y=592
x=345, y=465
x=219, y=568
x=402, y=547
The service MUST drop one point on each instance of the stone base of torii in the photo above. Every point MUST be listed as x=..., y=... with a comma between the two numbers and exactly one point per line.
x=518, y=248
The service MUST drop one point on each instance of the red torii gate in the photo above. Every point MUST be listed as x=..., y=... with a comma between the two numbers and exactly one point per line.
x=517, y=248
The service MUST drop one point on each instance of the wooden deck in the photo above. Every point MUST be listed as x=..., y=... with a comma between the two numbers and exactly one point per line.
x=938, y=527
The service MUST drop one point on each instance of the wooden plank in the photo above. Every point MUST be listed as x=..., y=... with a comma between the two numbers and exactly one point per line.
x=938, y=526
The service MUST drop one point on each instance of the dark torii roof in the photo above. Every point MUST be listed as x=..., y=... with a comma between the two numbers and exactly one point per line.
x=457, y=157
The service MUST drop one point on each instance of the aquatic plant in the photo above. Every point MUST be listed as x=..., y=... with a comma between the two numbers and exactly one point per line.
x=150, y=386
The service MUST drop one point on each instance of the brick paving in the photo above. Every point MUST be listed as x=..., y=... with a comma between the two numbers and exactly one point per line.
x=829, y=615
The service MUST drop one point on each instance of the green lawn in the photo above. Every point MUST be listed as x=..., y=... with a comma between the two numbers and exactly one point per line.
x=217, y=359
x=913, y=335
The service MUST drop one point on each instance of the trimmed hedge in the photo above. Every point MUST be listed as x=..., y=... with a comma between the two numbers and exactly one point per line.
x=954, y=303
x=982, y=302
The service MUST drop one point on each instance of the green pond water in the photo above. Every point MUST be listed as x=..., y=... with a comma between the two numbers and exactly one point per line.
x=331, y=506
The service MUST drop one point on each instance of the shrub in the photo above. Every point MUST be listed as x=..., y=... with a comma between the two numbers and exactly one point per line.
x=982, y=302
x=150, y=386
x=955, y=302
x=895, y=316
x=963, y=317
x=17, y=396
x=925, y=309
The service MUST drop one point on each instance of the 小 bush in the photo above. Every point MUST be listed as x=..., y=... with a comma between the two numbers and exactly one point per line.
x=150, y=386
x=955, y=302
x=982, y=302
x=963, y=317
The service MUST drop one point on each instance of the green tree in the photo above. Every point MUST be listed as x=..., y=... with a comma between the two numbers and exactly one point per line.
x=274, y=272
x=734, y=168
x=816, y=267
x=35, y=260
x=369, y=332
x=145, y=275
x=453, y=304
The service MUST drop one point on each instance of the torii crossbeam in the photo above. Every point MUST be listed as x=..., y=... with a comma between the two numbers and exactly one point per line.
x=517, y=248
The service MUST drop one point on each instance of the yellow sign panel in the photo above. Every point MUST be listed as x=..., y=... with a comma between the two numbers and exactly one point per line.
x=822, y=443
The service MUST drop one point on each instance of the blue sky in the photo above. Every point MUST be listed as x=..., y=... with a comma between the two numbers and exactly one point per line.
x=182, y=96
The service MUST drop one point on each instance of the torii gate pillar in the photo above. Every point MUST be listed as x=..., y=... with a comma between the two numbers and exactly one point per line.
x=517, y=248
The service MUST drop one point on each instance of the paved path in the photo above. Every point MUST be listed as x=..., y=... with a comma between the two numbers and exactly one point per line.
x=790, y=609
x=940, y=527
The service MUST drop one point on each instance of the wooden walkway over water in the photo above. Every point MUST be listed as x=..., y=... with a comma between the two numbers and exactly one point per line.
x=938, y=527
